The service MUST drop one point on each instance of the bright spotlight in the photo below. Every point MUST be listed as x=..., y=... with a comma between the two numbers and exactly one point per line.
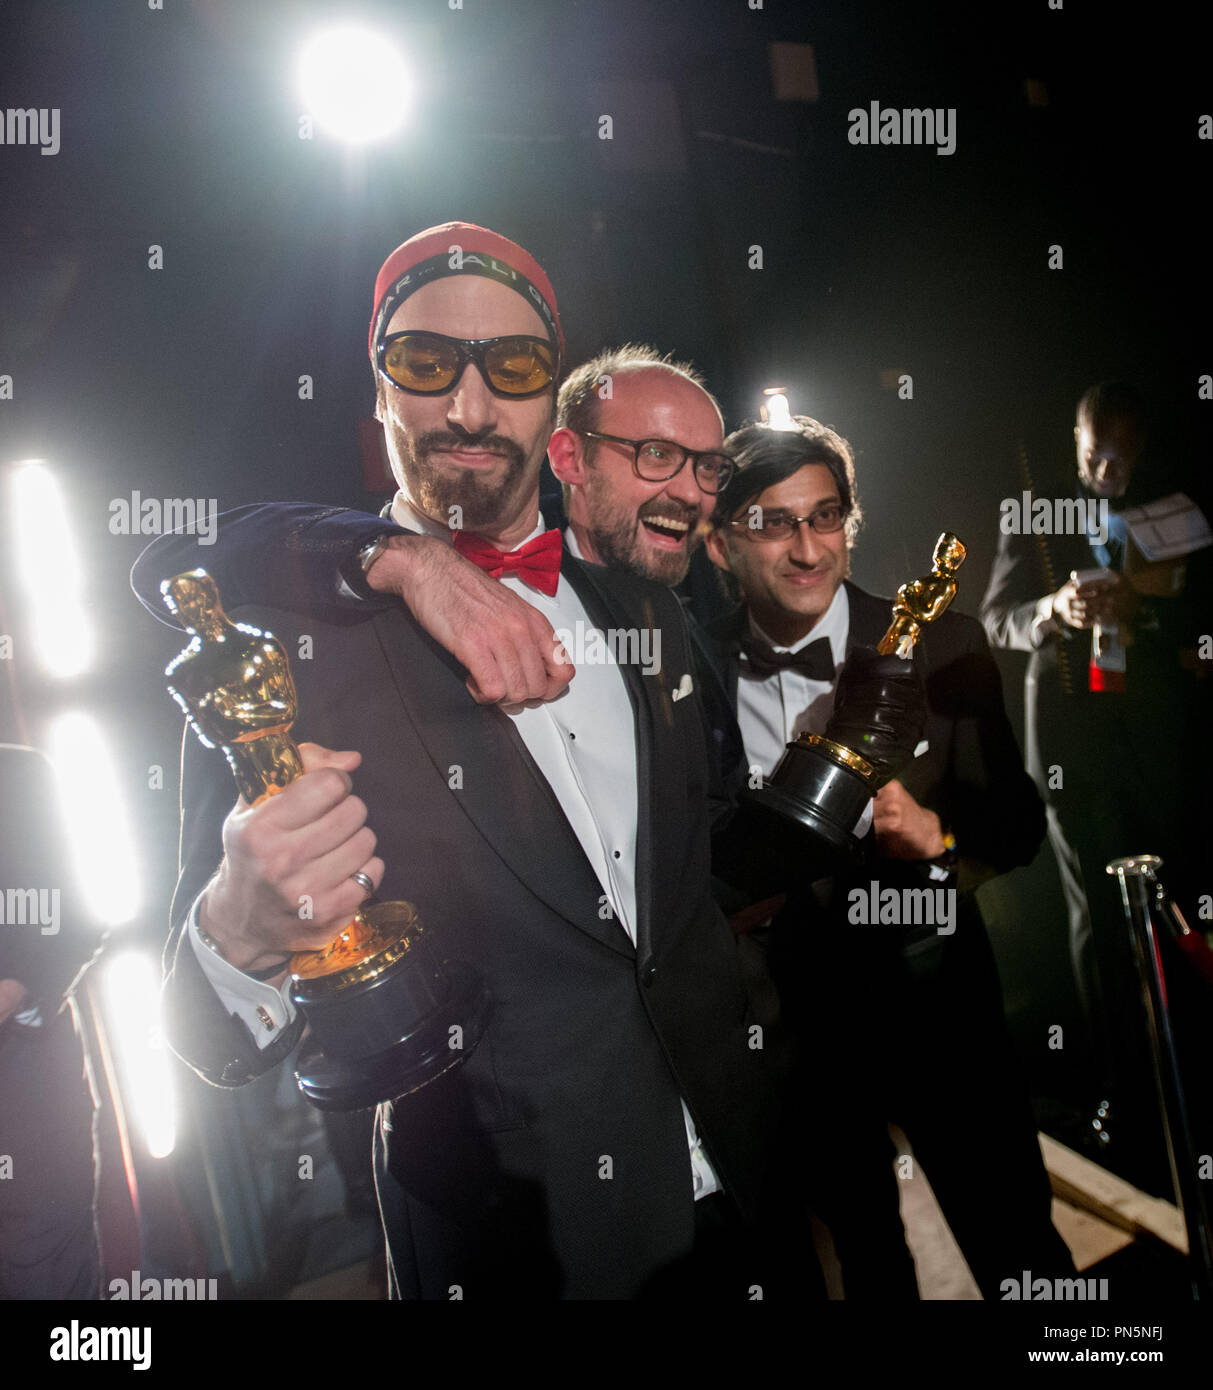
x=50, y=574
x=130, y=992
x=96, y=818
x=354, y=84
x=775, y=410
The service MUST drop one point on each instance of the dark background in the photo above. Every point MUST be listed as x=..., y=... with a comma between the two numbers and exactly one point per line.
x=180, y=128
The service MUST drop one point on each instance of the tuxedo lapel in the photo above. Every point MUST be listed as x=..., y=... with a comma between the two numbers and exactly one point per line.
x=726, y=634
x=869, y=617
x=503, y=793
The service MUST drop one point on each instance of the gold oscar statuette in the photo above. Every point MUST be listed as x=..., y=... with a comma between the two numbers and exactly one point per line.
x=820, y=784
x=923, y=600
x=380, y=1004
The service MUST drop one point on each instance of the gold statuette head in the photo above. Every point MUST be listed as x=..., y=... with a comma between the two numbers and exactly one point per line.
x=922, y=600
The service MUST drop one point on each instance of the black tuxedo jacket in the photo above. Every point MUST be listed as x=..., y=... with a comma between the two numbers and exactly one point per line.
x=971, y=773
x=554, y=1161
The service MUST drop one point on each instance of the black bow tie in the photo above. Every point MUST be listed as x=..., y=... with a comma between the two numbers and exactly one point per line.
x=816, y=660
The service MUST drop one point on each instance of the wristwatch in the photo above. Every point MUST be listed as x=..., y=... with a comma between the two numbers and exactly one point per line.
x=943, y=866
x=354, y=570
x=371, y=551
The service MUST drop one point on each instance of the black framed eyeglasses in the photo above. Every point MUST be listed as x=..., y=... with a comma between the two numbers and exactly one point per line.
x=779, y=526
x=658, y=460
x=430, y=364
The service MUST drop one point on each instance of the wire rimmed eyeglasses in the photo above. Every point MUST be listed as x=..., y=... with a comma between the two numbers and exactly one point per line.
x=779, y=526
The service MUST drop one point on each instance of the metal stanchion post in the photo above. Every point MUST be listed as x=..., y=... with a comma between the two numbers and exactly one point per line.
x=1145, y=902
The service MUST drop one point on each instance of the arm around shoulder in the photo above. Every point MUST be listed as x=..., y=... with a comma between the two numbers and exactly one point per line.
x=289, y=555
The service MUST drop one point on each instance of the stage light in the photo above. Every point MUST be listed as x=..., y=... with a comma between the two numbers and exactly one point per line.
x=775, y=410
x=96, y=819
x=49, y=571
x=354, y=83
x=130, y=995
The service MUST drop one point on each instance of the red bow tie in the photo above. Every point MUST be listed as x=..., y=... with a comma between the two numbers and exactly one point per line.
x=536, y=563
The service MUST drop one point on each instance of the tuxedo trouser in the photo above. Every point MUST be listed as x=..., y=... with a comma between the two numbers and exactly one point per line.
x=908, y=1030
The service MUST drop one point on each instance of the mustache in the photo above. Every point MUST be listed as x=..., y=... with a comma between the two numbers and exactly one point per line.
x=669, y=510
x=441, y=441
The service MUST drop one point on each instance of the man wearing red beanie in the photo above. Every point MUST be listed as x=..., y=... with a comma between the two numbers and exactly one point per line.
x=608, y=1137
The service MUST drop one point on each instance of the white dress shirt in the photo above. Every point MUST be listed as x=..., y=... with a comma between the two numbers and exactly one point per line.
x=570, y=539
x=584, y=743
x=775, y=709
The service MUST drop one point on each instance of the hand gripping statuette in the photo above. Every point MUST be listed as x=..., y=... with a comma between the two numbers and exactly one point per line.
x=385, y=1015
x=824, y=782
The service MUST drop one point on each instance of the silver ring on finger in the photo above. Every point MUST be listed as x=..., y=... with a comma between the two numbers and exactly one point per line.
x=364, y=881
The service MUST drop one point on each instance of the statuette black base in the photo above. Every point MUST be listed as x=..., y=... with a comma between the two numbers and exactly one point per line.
x=812, y=791
x=409, y=1055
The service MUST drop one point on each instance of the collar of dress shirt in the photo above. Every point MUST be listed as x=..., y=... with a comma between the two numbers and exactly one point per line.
x=570, y=540
x=405, y=514
x=834, y=623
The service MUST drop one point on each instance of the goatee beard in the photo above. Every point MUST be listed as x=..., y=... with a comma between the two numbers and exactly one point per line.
x=482, y=501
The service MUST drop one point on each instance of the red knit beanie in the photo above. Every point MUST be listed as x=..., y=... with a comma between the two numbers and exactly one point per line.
x=461, y=248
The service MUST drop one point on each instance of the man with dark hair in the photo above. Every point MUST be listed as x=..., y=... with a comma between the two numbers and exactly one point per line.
x=808, y=442
x=897, y=1021
x=1112, y=728
x=1110, y=432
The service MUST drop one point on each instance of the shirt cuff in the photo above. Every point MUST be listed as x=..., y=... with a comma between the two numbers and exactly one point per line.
x=703, y=1176
x=864, y=823
x=1044, y=624
x=264, y=1010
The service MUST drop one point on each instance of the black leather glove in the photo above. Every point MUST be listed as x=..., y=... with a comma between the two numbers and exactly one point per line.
x=880, y=710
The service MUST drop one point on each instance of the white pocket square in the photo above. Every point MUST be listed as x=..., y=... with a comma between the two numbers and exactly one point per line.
x=685, y=686
x=921, y=749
